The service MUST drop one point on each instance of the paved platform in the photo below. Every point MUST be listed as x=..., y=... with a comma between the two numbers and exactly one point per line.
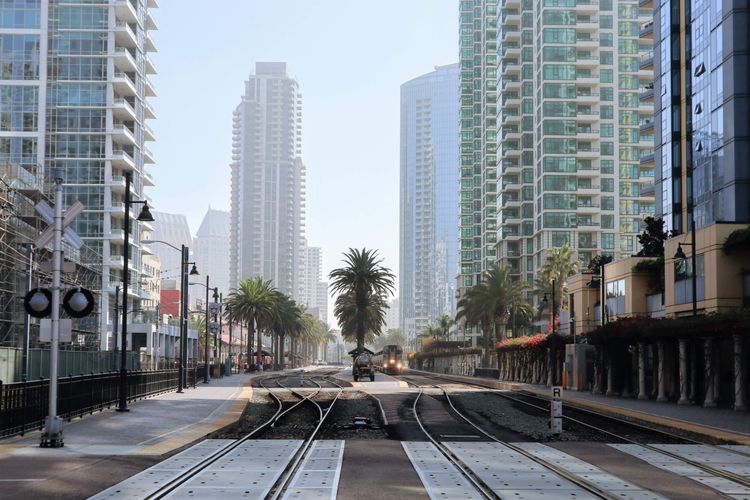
x=153, y=426
x=717, y=423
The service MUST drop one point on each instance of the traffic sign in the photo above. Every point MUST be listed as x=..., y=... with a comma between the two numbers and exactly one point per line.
x=48, y=234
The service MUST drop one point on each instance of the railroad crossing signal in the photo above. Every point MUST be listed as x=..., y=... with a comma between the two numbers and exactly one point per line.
x=48, y=215
x=78, y=302
x=38, y=302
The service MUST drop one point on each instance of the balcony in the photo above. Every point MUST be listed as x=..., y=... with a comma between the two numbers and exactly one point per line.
x=150, y=23
x=124, y=60
x=123, y=85
x=588, y=189
x=590, y=6
x=587, y=97
x=647, y=94
x=149, y=64
x=149, y=45
x=587, y=244
x=116, y=261
x=148, y=111
x=117, y=185
x=510, y=118
x=647, y=31
x=123, y=135
x=587, y=133
x=587, y=78
x=587, y=153
x=647, y=157
x=148, y=157
x=587, y=23
x=122, y=160
x=116, y=234
x=647, y=62
x=147, y=179
x=585, y=41
x=125, y=11
x=117, y=209
x=122, y=110
x=587, y=208
x=124, y=36
x=647, y=190
x=647, y=126
x=148, y=87
x=148, y=133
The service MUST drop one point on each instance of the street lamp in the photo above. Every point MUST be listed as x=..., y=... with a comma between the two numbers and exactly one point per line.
x=206, y=376
x=144, y=216
x=184, y=264
x=680, y=254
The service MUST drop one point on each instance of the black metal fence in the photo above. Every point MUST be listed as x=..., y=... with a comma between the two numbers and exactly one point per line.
x=24, y=405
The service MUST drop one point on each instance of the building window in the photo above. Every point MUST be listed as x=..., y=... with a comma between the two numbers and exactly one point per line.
x=616, y=298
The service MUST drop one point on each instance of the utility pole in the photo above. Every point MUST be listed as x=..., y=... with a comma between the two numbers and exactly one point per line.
x=52, y=436
x=115, y=325
x=26, y=318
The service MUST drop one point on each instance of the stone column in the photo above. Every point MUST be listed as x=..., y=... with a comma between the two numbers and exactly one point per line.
x=708, y=354
x=627, y=376
x=642, y=371
x=661, y=396
x=739, y=376
x=684, y=399
x=611, y=376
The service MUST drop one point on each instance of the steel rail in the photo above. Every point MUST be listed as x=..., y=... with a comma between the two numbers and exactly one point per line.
x=281, y=485
x=481, y=487
x=191, y=472
x=731, y=476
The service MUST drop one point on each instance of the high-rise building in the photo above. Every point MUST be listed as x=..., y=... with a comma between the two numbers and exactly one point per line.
x=478, y=38
x=174, y=230
x=211, y=247
x=572, y=131
x=429, y=198
x=701, y=149
x=312, y=291
x=267, y=201
x=74, y=96
x=701, y=121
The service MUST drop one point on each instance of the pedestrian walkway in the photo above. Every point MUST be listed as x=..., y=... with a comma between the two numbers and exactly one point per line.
x=718, y=423
x=153, y=426
x=382, y=381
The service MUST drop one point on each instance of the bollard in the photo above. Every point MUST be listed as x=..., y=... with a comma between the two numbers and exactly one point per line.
x=556, y=411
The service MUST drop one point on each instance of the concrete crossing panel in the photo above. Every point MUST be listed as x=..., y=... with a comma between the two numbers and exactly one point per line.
x=318, y=474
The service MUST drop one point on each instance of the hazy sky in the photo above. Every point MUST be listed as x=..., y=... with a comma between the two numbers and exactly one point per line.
x=349, y=57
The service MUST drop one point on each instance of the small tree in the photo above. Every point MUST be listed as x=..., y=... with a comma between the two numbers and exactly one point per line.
x=652, y=238
x=596, y=263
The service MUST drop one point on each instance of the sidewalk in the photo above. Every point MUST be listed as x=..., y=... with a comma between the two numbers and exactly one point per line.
x=718, y=423
x=153, y=426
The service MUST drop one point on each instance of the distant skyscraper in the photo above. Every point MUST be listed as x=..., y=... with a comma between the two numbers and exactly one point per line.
x=74, y=96
x=174, y=229
x=429, y=198
x=312, y=290
x=211, y=248
x=266, y=224
x=392, y=315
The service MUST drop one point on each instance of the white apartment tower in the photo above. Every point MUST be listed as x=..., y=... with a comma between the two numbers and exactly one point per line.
x=572, y=130
x=74, y=89
x=313, y=291
x=211, y=247
x=267, y=200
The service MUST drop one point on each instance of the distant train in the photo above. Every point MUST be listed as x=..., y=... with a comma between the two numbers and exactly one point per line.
x=390, y=360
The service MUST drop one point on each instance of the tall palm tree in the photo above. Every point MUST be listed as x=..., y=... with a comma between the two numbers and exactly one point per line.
x=559, y=264
x=254, y=301
x=284, y=322
x=445, y=322
x=488, y=303
x=363, y=283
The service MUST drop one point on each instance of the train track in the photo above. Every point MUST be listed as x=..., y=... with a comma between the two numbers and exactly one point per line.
x=482, y=487
x=744, y=481
x=279, y=487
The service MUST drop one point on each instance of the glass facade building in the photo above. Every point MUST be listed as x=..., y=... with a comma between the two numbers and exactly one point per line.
x=73, y=95
x=428, y=199
x=701, y=76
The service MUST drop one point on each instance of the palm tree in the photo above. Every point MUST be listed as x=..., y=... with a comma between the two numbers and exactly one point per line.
x=363, y=284
x=254, y=301
x=445, y=322
x=285, y=322
x=559, y=264
x=488, y=303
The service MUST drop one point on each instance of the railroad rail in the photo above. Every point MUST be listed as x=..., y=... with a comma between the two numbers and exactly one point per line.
x=280, y=486
x=545, y=409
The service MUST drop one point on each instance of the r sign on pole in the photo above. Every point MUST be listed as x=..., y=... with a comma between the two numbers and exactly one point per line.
x=556, y=410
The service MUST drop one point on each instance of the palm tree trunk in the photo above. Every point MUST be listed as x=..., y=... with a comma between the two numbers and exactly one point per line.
x=487, y=331
x=250, y=333
x=259, y=349
x=281, y=352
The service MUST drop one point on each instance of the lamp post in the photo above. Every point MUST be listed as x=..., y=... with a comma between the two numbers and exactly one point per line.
x=146, y=216
x=184, y=264
x=206, y=376
x=680, y=254
x=229, y=348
